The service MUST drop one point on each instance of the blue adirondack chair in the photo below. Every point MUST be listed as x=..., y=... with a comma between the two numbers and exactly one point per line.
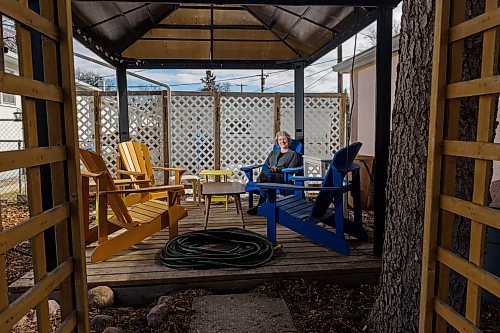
x=251, y=186
x=304, y=216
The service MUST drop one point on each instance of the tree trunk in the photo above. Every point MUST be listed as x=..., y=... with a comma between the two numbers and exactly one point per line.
x=396, y=309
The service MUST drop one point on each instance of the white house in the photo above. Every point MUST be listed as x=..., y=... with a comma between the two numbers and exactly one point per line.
x=363, y=96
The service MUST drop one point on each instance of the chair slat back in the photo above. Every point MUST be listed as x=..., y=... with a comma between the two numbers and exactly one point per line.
x=342, y=163
x=135, y=157
x=95, y=164
x=295, y=145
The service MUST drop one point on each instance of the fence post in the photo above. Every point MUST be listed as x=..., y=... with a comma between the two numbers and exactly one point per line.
x=97, y=122
x=217, y=129
x=342, y=120
x=277, y=116
x=165, y=102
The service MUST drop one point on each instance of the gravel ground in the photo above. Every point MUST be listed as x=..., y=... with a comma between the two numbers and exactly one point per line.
x=315, y=306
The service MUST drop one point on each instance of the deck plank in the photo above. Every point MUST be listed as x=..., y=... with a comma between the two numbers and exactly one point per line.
x=299, y=258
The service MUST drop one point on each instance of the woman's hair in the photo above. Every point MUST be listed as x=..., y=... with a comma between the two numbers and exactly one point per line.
x=285, y=134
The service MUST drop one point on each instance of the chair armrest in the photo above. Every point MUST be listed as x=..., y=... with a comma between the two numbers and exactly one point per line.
x=251, y=167
x=274, y=186
x=86, y=173
x=292, y=170
x=130, y=173
x=306, y=179
x=169, y=169
x=169, y=188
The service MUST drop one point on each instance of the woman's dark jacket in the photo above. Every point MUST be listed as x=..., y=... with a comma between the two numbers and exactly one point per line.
x=290, y=159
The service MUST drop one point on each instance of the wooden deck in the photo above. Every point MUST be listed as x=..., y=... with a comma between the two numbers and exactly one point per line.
x=138, y=271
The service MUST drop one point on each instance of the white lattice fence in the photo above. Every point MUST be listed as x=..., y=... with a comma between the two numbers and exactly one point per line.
x=322, y=124
x=247, y=130
x=109, y=130
x=85, y=119
x=192, y=131
x=146, y=124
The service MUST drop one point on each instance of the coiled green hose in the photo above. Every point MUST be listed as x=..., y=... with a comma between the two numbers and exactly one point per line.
x=228, y=247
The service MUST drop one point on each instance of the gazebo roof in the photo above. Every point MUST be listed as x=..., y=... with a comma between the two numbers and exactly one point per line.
x=225, y=35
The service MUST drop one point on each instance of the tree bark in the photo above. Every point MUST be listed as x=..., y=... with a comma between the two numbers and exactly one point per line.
x=396, y=309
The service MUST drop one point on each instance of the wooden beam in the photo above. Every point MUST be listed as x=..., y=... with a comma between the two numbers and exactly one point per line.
x=454, y=318
x=477, y=87
x=470, y=210
x=472, y=272
x=24, y=15
x=24, y=86
x=350, y=3
x=477, y=150
x=32, y=226
x=30, y=157
x=488, y=20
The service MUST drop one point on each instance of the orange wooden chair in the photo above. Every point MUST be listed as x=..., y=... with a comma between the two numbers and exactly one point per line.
x=127, y=225
x=136, y=160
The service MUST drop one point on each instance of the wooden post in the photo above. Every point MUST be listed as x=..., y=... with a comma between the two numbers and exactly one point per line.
x=123, y=119
x=277, y=115
x=166, y=147
x=382, y=122
x=217, y=129
x=97, y=122
x=299, y=102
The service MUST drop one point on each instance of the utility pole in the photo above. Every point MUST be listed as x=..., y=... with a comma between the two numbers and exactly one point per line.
x=340, y=82
x=241, y=86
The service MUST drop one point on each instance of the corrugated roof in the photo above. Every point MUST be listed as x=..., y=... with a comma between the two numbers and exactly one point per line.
x=158, y=34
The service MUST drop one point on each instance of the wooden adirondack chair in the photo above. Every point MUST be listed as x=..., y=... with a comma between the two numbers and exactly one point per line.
x=304, y=216
x=136, y=223
x=135, y=158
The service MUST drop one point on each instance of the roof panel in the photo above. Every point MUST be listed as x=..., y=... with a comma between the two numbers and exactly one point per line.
x=160, y=49
x=252, y=50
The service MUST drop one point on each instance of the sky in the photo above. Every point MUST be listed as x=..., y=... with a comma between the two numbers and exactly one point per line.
x=319, y=76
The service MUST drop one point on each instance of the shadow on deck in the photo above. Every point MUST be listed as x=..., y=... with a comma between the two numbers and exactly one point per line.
x=137, y=276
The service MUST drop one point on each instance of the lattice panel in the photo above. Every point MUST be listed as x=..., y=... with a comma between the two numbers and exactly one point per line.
x=85, y=118
x=146, y=125
x=109, y=131
x=247, y=131
x=192, y=132
x=287, y=115
x=322, y=128
x=322, y=125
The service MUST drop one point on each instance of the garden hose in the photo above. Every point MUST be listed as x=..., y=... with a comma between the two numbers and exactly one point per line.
x=217, y=248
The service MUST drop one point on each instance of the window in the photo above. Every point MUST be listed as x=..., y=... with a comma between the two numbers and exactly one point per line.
x=8, y=99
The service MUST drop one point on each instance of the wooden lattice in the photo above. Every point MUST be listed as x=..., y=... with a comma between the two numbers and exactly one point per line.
x=247, y=130
x=146, y=123
x=110, y=137
x=46, y=83
x=191, y=126
x=448, y=87
x=323, y=124
x=85, y=118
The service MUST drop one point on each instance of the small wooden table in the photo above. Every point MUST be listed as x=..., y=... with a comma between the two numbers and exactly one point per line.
x=226, y=188
x=218, y=175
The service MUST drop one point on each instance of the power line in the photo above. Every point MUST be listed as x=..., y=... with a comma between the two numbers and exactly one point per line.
x=312, y=84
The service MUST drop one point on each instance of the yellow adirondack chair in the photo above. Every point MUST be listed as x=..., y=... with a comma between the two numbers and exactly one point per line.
x=136, y=223
x=135, y=158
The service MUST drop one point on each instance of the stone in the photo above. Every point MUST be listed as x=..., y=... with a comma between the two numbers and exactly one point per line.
x=157, y=314
x=54, y=307
x=101, y=297
x=165, y=299
x=100, y=321
x=113, y=329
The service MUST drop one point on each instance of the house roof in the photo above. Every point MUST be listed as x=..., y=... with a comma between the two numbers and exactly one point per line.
x=364, y=58
x=159, y=34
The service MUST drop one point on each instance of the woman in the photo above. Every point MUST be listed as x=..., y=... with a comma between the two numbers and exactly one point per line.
x=277, y=160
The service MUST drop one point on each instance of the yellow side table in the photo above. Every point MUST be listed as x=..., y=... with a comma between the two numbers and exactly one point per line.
x=223, y=174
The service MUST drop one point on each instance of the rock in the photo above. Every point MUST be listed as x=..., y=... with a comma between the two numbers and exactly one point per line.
x=157, y=314
x=100, y=321
x=54, y=307
x=100, y=297
x=112, y=329
x=165, y=299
